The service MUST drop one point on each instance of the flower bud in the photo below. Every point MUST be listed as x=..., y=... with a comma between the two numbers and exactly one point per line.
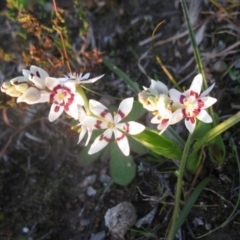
x=148, y=99
x=164, y=102
x=32, y=94
x=13, y=92
x=5, y=86
x=18, y=80
x=22, y=87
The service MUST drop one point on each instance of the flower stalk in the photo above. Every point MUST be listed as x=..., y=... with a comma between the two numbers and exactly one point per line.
x=172, y=229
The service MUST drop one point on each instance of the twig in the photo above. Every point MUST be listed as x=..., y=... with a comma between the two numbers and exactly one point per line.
x=62, y=39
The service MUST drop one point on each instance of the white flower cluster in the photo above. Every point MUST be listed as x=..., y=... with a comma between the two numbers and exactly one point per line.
x=171, y=106
x=168, y=106
x=36, y=86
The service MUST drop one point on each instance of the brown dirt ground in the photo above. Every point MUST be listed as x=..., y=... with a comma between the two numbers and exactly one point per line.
x=42, y=180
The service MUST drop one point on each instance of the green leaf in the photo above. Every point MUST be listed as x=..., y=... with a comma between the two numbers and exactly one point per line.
x=86, y=159
x=121, y=74
x=159, y=144
x=200, y=130
x=216, y=131
x=217, y=151
x=193, y=161
x=137, y=112
x=189, y=204
x=122, y=168
x=136, y=146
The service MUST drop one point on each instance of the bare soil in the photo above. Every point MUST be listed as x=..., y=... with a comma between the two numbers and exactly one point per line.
x=44, y=185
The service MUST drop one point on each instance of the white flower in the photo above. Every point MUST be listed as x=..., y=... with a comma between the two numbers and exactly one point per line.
x=84, y=129
x=29, y=88
x=191, y=104
x=112, y=125
x=163, y=114
x=79, y=78
x=36, y=75
x=149, y=96
x=63, y=98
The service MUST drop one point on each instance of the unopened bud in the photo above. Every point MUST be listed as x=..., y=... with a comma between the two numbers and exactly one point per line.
x=5, y=86
x=32, y=94
x=148, y=100
x=22, y=87
x=13, y=92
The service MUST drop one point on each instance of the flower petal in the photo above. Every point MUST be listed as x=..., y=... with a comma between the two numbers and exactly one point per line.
x=93, y=123
x=196, y=85
x=100, y=110
x=39, y=72
x=51, y=82
x=82, y=134
x=17, y=80
x=122, y=142
x=163, y=126
x=73, y=111
x=71, y=86
x=78, y=99
x=85, y=76
x=55, y=112
x=22, y=87
x=176, y=116
x=208, y=101
x=190, y=126
x=39, y=82
x=25, y=73
x=204, y=116
x=207, y=91
x=131, y=127
x=31, y=95
x=101, y=141
x=44, y=96
x=13, y=92
x=160, y=87
x=91, y=80
x=124, y=109
x=175, y=95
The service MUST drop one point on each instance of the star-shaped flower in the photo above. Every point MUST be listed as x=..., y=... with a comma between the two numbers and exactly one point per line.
x=191, y=104
x=63, y=98
x=79, y=78
x=112, y=124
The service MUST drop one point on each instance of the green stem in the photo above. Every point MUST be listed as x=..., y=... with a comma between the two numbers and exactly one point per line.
x=85, y=99
x=179, y=189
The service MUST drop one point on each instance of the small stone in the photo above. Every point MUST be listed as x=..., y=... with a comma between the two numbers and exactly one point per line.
x=25, y=230
x=219, y=66
x=197, y=221
x=119, y=218
x=98, y=236
x=91, y=191
x=208, y=226
x=89, y=180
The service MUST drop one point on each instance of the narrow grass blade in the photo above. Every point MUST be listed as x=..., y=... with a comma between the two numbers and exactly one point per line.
x=220, y=128
x=121, y=74
x=194, y=43
x=189, y=204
